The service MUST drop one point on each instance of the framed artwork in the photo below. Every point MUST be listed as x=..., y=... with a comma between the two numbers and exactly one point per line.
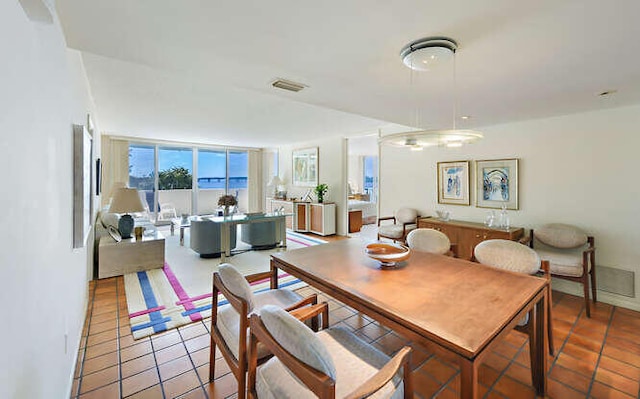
x=497, y=183
x=305, y=167
x=82, y=180
x=453, y=183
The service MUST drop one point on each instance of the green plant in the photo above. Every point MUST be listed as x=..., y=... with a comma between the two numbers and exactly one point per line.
x=321, y=190
x=174, y=179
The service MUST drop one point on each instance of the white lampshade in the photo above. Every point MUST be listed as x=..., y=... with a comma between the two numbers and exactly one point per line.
x=275, y=181
x=115, y=187
x=126, y=200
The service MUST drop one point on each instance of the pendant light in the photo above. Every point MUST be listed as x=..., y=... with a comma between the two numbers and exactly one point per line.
x=425, y=55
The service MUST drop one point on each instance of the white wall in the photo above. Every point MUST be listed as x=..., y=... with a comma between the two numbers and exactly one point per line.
x=579, y=169
x=331, y=167
x=44, y=288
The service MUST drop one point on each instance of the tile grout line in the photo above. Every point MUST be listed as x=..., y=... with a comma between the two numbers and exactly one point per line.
x=118, y=341
x=504, y=371
x=86, y=345
x=157, y=368
x=195, y=369
x=604, y=340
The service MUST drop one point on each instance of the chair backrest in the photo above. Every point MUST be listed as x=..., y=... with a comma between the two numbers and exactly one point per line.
x=508, y=255
x=297, y=339
x=406, y=215
x=560, y=235
x=429, y=240
x=236, y=283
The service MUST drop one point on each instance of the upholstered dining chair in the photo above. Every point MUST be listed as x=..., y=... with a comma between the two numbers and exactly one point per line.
x=516, y=257
x=431, y=240
x=404, y=220
x=332, y=363
x=229, y=324
x=571, y=255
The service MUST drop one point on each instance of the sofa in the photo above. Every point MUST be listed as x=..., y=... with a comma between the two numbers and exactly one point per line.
x=205, y=238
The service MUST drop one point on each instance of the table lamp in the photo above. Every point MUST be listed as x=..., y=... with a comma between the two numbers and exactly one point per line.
x=126, y=200
x=275, y=182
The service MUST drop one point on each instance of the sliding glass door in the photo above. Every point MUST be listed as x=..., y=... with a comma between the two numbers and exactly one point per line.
x=142, y=167
x=175, y=179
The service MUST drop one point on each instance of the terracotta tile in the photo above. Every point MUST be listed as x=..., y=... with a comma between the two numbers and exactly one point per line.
x=99, y=363
x=197, y=393
x=628, y=346
x=175, y=367
x=134, y=351
x=619, y=367
x=105, y=317
x=570, y=378
x=374, y=330
x=192, y=330
x=181, y=384
x=447, y=394
x=580, y=366
x=128, y=340
x=581, y=353
x=165, y=340
x=425, y=385
x=617, y=381
x=96, y=328
x=497, y=362
x=100, y=349
x=98, y=379
x=170, y=353
x=520, y=373
x=109, y=391
x=109, y=335
x=516, y=338
x=139, y=382
x=621, y=355
x=195, y=344
x=102, y=308
x=601, y=391
x=356, y=321
x=150, y=393
x=437, y=370
x=200, y=357
x=391, y=343
x=558, y=390
x=586, y=343
x=506, y=349
x=222, y=368
x=623, y=333
x=222, y=387
x=513, y=389
x=487, y=375
x=138, y=365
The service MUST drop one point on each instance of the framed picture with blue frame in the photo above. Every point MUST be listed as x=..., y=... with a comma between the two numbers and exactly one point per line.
x=497, y=183
x=453, y=183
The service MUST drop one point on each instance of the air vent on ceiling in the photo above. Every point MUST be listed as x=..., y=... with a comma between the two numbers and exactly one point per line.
x=288, y=85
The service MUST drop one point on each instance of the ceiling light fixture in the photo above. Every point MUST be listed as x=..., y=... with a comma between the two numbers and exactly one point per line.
x=425, y=55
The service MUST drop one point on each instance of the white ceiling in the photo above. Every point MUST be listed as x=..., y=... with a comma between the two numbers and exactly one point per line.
x=197, y=70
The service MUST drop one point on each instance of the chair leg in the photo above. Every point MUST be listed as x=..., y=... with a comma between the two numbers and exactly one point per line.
x=549, y=323
x=212, y=356
x=593, y=279
x=585, y=289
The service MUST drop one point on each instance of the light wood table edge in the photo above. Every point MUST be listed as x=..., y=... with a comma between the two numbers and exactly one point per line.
x=469, y=364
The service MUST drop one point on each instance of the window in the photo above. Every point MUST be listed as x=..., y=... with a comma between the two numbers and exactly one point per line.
x=142, y=171
x=370, y=177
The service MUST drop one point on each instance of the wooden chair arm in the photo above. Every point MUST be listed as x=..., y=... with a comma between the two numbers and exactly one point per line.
x=310, y=300
x=453, y=250
x=258, y=276
x=383, y=376
x=525, y=239
x=386, y=218
x=306, y=313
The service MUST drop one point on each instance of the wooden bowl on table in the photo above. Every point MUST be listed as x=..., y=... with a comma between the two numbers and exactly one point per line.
x=388, y=254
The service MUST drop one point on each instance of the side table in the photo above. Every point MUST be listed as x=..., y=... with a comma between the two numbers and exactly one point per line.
x=129, y=255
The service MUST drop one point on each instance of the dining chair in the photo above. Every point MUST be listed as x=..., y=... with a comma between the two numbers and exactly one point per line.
x=431, y=240
x=404, y=220
x=229, y=324
x=519, y=258
x=328, y=364
x=571, y=254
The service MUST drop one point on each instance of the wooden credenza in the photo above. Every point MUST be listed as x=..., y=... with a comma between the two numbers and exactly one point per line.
x=469, y=234
x=307, y=216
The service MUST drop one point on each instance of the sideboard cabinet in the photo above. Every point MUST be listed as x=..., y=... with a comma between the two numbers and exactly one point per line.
x=469, y=234
x=307, y=216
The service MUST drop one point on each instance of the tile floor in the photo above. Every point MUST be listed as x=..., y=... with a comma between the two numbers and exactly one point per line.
x=595, y=358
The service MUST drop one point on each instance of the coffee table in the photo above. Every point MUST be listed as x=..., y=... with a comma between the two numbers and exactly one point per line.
x=453, y=307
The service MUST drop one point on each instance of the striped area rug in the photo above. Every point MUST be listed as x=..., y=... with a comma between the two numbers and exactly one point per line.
x=157, y=301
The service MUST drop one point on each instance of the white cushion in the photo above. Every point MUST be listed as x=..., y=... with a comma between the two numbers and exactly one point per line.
x=297, y=339
x=109, y=219
x=229, y=320
x=393, y=230
x=508, y=255
x=564, y=263
x=429, y=240
x=236, y=283
x=561, y=235
x=355, y=362
x=406, y=215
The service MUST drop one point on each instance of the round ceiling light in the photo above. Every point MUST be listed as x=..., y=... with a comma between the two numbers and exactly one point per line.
x=427, y=53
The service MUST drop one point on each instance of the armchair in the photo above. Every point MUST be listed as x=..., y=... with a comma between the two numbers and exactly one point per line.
x=328, y=364
x=229, y=324
x=404, y=220
x=571, y=255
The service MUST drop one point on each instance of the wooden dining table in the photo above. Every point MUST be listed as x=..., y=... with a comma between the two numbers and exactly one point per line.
x=452, y=307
